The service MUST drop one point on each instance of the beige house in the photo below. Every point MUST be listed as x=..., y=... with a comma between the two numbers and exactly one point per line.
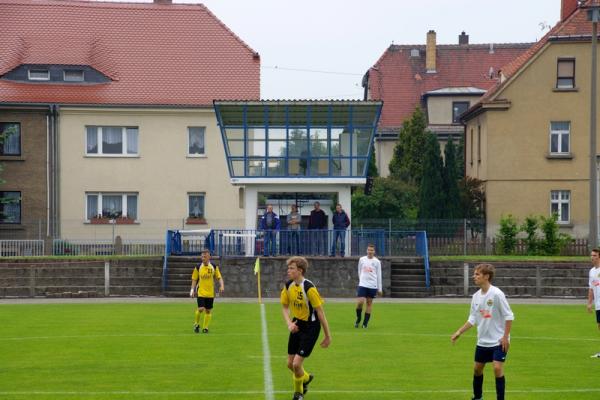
x=528, y=138
x=171, y=173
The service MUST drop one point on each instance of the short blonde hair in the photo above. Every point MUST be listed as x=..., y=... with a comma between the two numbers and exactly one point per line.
x=301, y=263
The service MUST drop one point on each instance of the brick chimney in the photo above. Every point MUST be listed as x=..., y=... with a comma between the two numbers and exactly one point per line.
x=430, y=52
x=463, y=38
x=567, y=7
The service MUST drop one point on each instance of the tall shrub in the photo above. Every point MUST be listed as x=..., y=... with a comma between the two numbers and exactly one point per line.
x=507, y=236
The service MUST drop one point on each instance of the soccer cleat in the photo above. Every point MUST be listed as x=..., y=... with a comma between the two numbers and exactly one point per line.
x=305, y=384
x=479, y=398
x=298, y=396
x=364, y=326
x=205, y=330
x=356, y=325
x=196, y=328
x=597, y=355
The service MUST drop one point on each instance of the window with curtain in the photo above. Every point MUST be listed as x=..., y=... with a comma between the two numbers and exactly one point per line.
x=560, y=133
x=10, y=136
x=10, y=207
x=565, y=77
x=196, y=205
x=196, y=140
x=111, y=205
x=112, y=140
x=560, y=204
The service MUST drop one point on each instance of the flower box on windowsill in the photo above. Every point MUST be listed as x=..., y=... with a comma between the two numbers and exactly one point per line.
x=118, y=221
x=195, y=221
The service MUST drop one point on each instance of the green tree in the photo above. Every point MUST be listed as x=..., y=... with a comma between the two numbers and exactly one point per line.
x=553, y=241
x=450, y=178
x=407, y=160
x=372, y=166
x=390, y=198
x=530, y=227
x=432, y=198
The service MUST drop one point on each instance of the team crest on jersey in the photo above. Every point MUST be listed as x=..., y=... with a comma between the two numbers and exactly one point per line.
x=490, y=302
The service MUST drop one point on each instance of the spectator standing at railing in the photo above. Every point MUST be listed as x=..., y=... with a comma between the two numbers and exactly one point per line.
x=318, y=223
x=341, y=222
x=294, y=220
x=270, y=224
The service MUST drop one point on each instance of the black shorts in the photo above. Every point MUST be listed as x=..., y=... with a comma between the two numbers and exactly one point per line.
x=206, y=302
x=366, y=292
x=303, y=341
x=598, y=316
x=488, y=354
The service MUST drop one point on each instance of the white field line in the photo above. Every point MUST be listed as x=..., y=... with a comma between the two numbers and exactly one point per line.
x=266, y=355
x=249, y=392
x=370, y=333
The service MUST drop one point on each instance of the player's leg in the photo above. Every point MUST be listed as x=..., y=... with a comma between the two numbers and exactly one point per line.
x=597, y=355
x=198, y=313
x=360, y=301
x=499, y=358
x=478, y=380
x=207, y=314
x=368, y=311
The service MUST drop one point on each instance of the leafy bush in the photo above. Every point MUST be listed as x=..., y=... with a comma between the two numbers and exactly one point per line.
x=507, y=236
x=530, y=227
x=553, y=241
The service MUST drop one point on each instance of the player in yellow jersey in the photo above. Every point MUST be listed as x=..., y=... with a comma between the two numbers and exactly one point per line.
x=303, y=313
x=203, y=286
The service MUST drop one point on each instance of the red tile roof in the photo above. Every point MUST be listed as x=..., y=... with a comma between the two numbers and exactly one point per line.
x=154, y=54
x=575, y=27
x=400, y=80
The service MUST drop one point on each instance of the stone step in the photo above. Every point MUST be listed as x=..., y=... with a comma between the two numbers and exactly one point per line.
x=408, y=278
x=409, y=294
x=410, y=289
x=411, y=271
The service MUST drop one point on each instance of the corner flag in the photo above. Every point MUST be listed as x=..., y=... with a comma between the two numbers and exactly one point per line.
x=257, y=266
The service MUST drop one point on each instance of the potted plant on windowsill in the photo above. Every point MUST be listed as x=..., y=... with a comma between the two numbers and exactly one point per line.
x=195, y=220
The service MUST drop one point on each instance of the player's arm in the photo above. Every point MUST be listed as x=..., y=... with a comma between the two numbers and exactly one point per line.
x=325, y=325
x=193, y=288
x=379, y=280
x=221, y=285
x=504, y=342
x=292, y=327
x=590, y=300
x=468, y=325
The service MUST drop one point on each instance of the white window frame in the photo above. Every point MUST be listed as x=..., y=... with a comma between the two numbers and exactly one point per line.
x=562, y=197
x=72, y=71
x=200, y=155
x=38, y=70
x=100, y=152
x=203, y=204
x=560, y=133
x=123, y=203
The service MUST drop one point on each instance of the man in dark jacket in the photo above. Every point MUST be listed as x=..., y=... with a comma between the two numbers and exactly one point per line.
x=340, y=222
x=270, y=223
x=318, y=223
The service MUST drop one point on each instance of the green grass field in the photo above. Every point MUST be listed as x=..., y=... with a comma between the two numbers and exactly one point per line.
x=148, y=350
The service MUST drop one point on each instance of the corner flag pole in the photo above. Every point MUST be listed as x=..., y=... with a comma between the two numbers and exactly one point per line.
x=257, y=272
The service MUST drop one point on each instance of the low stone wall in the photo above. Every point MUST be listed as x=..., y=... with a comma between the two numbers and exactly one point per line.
x=333, y=277
x=70, y=278
x=517, y=279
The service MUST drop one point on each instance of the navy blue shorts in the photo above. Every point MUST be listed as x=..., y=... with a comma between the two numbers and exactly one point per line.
x=206, y=302
x=598, y=316
x=488, y=354
x=366, y=292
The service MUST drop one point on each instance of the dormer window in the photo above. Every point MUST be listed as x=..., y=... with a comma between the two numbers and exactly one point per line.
x=39, y=74
x=73, y=75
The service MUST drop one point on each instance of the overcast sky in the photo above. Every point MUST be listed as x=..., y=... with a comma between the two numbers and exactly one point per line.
x=343, y=38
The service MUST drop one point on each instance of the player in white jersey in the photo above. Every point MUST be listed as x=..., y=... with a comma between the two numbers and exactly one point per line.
x=594, y=291
x=492, y=315
x=369, y=284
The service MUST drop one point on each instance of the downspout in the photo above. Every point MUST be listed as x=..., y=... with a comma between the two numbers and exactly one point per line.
x=48, y=171
x=53, y=171
x=57, y=225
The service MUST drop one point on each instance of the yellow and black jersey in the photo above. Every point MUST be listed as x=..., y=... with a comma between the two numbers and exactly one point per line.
x=206, y=283
x=302, y=299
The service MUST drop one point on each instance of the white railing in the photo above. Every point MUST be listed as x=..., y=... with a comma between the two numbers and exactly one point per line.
x=13, y=248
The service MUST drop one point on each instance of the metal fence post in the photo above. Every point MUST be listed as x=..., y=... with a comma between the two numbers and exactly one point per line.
x=464, y=236
x=466, y=278
x=106, y=278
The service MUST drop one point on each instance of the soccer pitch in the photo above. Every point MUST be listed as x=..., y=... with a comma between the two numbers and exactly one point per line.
x=148, y=350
